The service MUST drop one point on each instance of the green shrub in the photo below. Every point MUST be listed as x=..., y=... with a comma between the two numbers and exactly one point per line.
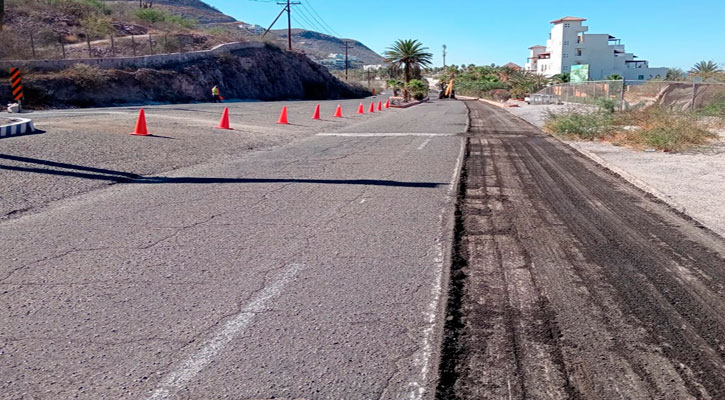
x=605, y=104
x=152, y=16
x=715, y=109
x=417, y=88
x=579, y=124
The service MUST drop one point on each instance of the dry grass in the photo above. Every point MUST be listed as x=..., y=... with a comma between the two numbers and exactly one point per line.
x=662, y=129
x=650, y=128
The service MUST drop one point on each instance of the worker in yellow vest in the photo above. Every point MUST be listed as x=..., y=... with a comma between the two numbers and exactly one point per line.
x=215, y=94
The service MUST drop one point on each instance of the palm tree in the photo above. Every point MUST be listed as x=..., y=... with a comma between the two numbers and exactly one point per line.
x=675, y=74
x=563, y=77
x=705, y=67
x=614, y=77
x=410, y=54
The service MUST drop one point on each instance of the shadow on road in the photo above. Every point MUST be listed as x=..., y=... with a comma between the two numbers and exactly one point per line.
x=80, y=171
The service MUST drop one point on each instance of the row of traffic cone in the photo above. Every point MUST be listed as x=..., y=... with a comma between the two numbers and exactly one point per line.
x=141, y=129
x=338, y=112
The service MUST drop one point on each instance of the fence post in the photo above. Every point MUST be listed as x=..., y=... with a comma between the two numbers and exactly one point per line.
x=32, y=44
x=133, y=45
x=151, y=45
x=113, y=46
x=694, y=93
x=621, y=97
x=88, y=40
x=181, y=44
x=62, y=45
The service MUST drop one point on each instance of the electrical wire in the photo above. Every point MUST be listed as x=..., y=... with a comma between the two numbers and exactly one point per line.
x=319, y=18
x=307, y=17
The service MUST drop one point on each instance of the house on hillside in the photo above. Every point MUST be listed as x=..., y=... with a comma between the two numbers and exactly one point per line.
x=513, y=66
x=591, y=56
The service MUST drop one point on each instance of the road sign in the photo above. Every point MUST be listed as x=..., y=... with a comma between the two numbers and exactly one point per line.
x=16, y=83
x=579, y=73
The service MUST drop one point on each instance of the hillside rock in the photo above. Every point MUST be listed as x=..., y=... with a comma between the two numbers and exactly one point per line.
x=319, y=45
x=266, y=73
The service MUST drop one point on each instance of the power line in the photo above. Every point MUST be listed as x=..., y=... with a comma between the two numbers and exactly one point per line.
x=322, y=20
x=310, y=21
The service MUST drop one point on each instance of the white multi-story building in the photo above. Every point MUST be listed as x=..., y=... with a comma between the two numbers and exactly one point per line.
x=604, y=54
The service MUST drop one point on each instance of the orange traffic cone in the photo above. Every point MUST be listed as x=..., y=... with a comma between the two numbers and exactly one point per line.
x=141, y=125
x=338, y=112
x=380, y=105
x=387, y=103
x=224, y=123
x=372, y=107
x=316, y=115
x=361, y=109
x=283, y=116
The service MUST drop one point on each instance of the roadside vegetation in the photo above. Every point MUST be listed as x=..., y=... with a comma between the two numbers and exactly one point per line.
x=656, y=127
x=410, y=56
x=39, y=29
x=494, y=82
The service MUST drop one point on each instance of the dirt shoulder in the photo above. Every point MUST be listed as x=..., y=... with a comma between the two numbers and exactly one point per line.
x=692, y=182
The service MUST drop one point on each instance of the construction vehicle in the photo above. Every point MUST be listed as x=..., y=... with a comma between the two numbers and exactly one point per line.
x=447, y=91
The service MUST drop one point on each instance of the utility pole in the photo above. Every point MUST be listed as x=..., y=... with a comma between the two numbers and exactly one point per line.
x=287, y=7
x=444, y=55
x=347, y=64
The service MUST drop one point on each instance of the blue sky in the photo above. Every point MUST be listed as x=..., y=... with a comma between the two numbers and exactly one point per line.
x=668, y=33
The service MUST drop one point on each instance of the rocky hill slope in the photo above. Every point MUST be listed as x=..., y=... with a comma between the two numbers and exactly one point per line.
x=262, y=73
x=319, y=45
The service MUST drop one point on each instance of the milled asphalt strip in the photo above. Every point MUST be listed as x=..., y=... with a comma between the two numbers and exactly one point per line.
x=392, y=134
x=189, y=368
x=424, y=357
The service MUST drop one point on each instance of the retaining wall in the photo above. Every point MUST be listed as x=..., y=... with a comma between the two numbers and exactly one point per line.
x=153, y=61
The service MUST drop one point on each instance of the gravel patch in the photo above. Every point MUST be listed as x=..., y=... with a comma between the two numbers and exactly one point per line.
x=693, y=181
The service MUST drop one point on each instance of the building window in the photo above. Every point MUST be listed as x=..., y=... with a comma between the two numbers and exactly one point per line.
x=566, y=43
x=640, y=77
x=567, y=25
x=566, y=55
x=578, y=52
x=579, y=38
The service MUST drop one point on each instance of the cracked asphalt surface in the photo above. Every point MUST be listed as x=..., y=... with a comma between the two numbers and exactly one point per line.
x=307, y=270
x=85, y=149
x=569, y=283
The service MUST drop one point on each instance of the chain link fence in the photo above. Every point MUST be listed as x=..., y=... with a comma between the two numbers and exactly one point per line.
x=627, y=95
x=591, y=93
x=47, y=45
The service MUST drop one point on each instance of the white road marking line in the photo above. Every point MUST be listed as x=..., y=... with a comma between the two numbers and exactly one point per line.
x=423, y=358
x=189, y=368
x=392, y=134
x=424, y=143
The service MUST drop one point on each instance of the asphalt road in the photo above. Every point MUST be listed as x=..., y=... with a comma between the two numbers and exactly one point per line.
x=83, y=150
x=569, y=283
x=309, y=270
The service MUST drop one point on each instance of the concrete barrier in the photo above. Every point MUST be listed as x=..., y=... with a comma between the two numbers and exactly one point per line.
x=152, y=61
x=22, y=127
